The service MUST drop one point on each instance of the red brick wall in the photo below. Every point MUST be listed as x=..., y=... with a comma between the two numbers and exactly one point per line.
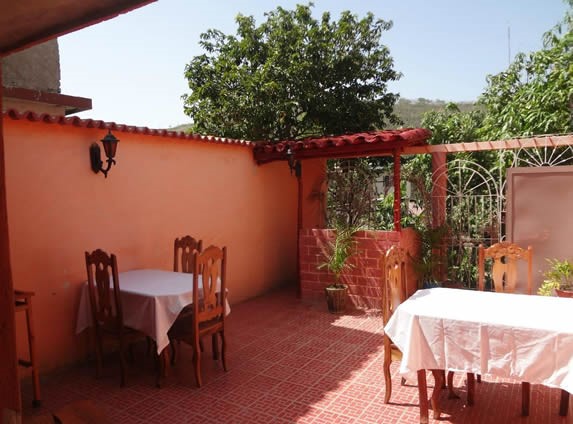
x=364, y=280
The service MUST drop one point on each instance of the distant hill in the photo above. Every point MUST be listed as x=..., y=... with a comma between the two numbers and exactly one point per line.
x=182, y=127
x=412, y=111
x=409, y=111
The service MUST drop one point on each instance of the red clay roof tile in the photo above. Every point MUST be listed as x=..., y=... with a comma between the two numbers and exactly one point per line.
x=91, y=123
x=351, y=145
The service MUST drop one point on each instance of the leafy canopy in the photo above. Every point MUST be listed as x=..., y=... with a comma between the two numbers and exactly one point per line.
x=292, y=76
x=535, y=94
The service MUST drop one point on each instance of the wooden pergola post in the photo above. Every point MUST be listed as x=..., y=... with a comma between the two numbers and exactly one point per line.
x=10, y=397
x=397, y=193
x=439, y=188
x=298, y=173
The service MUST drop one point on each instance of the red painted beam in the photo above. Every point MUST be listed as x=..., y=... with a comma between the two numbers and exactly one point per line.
x=342, y=152
x=397, y=192
x=10, y=398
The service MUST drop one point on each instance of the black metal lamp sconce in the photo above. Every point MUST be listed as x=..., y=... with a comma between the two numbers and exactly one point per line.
x=293, y=164
x=109, y=146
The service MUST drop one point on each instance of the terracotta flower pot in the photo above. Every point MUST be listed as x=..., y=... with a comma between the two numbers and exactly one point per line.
x=336, y=299
x=564, y=293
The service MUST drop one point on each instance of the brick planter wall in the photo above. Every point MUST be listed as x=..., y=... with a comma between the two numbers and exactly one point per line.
x=364, y=280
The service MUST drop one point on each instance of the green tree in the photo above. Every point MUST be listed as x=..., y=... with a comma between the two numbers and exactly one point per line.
x=292, y=76
x=535, y=94
x=450, y=125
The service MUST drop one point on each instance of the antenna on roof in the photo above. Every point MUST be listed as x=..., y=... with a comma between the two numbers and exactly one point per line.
x=508, y=45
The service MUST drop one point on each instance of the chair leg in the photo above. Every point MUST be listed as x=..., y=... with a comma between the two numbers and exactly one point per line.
x=173, y=349
x=386, y=367
x=564, y=404
x=149, y=345
x=33, y=360
x=438, y=383
x=99, y=353
x=197, y=361
x=451, y=393
x=162, y=361
x=471, y=388
x=131, y=353
x=223, y=349
x=525, y=396
x=423, y=396
x=215, y=346
x=122, y=362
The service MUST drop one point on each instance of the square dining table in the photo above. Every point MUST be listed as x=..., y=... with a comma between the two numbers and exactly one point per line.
x=523, y=337
x=151, y=301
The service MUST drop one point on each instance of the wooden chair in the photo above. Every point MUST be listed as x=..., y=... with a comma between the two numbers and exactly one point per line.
x=183, y=257
x=505, y=257
x=209, y=304
x=184, y=260
x=23, y=300
x=105, y=302
x=394, y=293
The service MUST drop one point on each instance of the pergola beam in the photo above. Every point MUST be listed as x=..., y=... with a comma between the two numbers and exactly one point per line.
x=480, y=146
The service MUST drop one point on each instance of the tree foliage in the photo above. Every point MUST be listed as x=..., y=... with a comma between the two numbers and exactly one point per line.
x=292, y=76
x=535, y=94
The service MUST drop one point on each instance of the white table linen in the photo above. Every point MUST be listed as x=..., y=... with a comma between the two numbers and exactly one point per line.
x=527, y=338
x=151, y=301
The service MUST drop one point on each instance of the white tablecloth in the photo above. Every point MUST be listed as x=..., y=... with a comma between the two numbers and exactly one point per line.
x=527, y=338
x=151, y=300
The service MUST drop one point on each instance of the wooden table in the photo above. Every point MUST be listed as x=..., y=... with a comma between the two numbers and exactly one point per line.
x=526, y=338
x=151, y=301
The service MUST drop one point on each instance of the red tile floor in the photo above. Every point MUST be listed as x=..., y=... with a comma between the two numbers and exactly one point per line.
x=289, y=362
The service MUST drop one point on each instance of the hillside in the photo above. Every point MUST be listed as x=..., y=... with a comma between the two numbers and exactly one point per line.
x=412, y=111
x=409, y=111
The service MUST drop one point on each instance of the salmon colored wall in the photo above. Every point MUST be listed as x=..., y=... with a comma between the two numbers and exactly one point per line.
x=161, y=188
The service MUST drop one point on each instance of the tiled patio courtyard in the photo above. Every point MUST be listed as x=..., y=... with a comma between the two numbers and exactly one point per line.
x=289, y=362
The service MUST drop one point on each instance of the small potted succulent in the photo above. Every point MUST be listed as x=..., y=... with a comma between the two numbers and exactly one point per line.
x=558, y=279
x=336, y=261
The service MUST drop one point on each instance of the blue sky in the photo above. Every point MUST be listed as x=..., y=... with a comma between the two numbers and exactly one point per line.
x=132, y=66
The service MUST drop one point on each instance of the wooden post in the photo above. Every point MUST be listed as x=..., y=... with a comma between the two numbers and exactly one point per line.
x=10, y=398
x=298, y=172
x=439, y=187
x=439, y=192
x=397, y=193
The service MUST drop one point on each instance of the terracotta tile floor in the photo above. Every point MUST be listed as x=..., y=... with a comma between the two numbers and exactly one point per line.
x=289, y=362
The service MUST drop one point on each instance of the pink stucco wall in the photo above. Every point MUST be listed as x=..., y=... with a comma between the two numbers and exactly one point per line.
x=161, y=188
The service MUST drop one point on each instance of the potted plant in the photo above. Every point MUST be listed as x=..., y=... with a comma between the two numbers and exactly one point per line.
x=335, y=261
x=429, y=262
x=558, y=279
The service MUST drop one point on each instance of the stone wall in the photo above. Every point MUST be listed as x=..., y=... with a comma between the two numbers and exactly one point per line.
x=36, y=68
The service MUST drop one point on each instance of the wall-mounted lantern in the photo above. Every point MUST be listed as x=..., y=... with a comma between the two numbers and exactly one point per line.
x=293, y=163
x=109, y=146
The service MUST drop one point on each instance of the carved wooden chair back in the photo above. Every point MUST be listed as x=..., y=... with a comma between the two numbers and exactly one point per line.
x=103, y=289
x=183, y=253
x=394, y=293
x=209, y=297
x=505, y=257
x=395, y=277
